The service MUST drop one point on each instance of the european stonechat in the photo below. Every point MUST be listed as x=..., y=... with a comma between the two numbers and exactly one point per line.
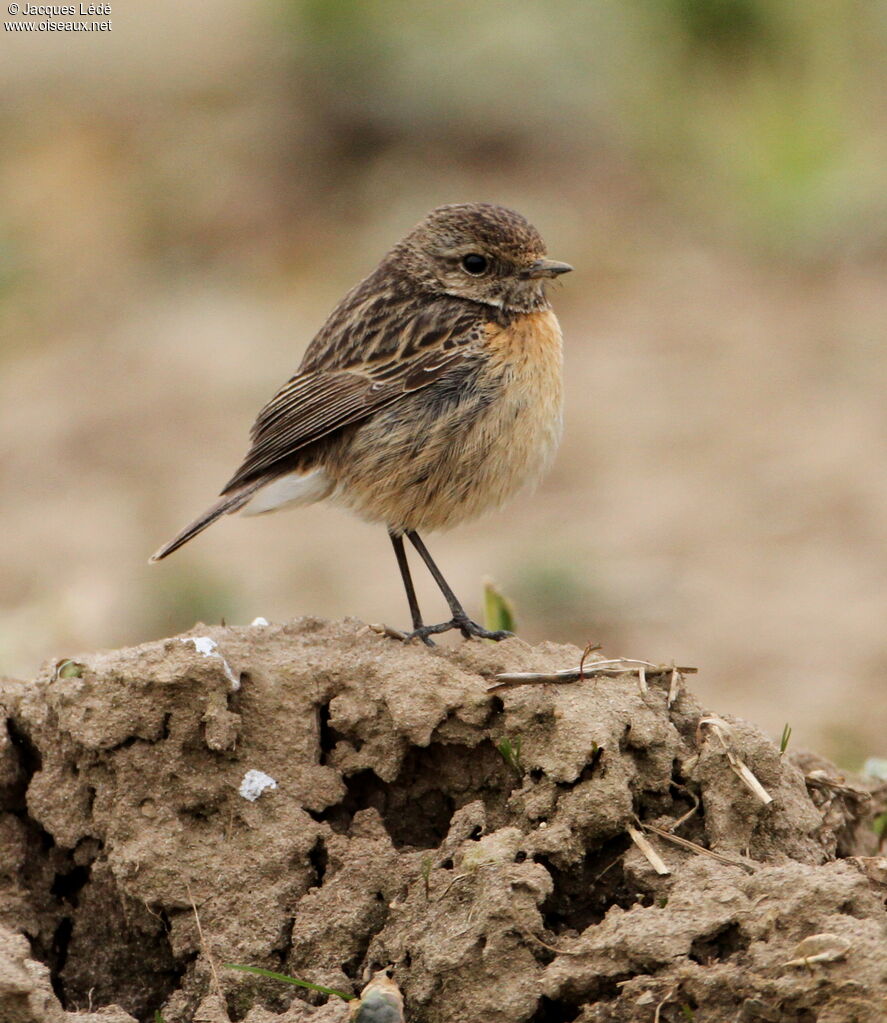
x=432, y=393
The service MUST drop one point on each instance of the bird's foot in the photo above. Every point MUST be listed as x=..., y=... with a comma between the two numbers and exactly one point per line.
x=470, y=629
x=464, y=624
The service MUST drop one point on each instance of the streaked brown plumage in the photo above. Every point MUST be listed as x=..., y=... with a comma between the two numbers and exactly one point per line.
x=432, y=392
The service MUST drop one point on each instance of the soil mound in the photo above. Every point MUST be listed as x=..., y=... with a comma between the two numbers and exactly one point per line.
x=319, y=800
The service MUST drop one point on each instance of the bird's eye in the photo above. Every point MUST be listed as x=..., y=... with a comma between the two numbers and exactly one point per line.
x=475, y=264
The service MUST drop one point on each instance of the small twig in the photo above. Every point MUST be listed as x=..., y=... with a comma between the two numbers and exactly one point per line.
x=642, y=679
x=602, y=669
x=589, y=649
x=685, y=843
x=653, y=857
x=205, y=946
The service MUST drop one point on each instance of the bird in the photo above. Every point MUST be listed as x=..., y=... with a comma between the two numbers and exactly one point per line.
x=379, y=1002
x=432, y=393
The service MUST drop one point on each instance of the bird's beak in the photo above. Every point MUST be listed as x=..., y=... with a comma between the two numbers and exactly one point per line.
x=546, y=268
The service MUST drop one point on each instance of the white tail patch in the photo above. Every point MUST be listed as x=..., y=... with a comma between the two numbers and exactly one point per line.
x=291, y=490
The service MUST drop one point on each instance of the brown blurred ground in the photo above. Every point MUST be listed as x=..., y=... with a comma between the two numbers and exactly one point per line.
x=186, y=197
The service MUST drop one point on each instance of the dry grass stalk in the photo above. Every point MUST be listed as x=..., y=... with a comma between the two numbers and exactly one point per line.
x=820, y=948
x=722, y=731
x=653, y=857
x=659, y=1007
x=590, y=648
x=387, y=631
x=608, y=868
x=217, y=984
x=700, y=850
x=744, y=773
x=613, y=668
x=551, y=948
x=685, y=816
x=674, y=686
x=819, y=779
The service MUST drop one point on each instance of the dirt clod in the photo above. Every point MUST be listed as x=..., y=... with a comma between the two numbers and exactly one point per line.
x=319, y=800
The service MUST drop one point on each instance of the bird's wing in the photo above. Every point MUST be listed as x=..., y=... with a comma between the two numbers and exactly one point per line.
x=374, y=322
x=412, y=352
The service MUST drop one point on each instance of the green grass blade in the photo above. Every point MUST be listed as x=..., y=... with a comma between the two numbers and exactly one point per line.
x=498, y=610
x=510, y=752
x=290, y=980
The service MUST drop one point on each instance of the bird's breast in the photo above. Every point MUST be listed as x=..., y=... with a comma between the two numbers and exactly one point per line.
x=528, y=355
x=524, y=425
x=465, y=443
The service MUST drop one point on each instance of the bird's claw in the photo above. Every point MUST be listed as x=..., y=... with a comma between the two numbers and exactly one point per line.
x=468, y=628
x=471, y=630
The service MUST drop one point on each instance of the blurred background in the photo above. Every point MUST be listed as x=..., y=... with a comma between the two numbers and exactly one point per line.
x=185, y=198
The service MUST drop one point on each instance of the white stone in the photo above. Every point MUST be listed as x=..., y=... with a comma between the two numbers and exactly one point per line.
x=254, y=784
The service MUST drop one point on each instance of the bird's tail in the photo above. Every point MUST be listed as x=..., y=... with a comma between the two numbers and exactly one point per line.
x=224, y=506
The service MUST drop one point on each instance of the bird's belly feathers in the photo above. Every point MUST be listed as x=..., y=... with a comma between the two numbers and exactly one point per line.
x=466, y=443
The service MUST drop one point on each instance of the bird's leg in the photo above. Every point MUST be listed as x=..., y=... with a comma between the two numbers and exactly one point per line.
x=460, y=619
x=402, y=563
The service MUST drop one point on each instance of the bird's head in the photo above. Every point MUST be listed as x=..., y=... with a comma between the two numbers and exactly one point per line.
x=482, y=253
